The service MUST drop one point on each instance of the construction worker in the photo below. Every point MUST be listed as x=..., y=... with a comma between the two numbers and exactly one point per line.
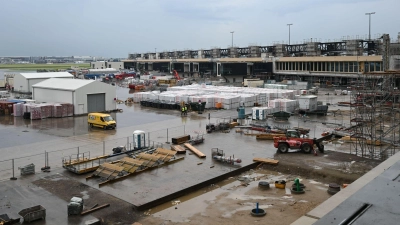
x=183, y=110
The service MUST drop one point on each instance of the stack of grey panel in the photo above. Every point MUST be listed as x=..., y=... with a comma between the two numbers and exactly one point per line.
x=75, y=206
x=28, y=169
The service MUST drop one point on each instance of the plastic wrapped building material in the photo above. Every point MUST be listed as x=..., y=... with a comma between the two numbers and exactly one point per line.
x=47, y=110
x=28, y=169
x=70, y=110
x=75, y=206
x=27, y=107
x=57, y=110
x=64, y=109
x=36, y=112
x=18, y=109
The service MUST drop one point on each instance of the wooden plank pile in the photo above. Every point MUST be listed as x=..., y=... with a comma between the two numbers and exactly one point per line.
x=267, y=136
x=181, y=139
x=266, y=160
x=195, y=150
x=179, y=149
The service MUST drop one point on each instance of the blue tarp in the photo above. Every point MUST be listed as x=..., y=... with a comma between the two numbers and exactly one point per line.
x=16, y=101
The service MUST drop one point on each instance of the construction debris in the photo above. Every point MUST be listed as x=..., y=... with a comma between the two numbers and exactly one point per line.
x=94, y=209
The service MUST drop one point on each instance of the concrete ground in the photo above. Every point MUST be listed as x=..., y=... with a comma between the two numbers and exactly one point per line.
x=26, y=142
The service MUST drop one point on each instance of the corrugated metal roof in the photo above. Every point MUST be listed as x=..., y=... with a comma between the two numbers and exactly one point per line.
x=46, y=75
x=63, y=84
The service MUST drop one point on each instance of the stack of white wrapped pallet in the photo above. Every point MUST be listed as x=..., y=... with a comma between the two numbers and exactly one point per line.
x=287, y=105
x=248, y=99
x=221, y=96
x=18, y=109
x=230, y=102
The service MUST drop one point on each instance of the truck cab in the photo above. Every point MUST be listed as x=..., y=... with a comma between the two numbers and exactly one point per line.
x=292, y=134
x=101, y=120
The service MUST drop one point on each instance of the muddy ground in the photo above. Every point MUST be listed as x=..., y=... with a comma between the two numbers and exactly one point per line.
x=330, y=167
x=230, y=201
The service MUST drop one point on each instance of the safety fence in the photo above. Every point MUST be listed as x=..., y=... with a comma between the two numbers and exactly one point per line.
x=14, y=167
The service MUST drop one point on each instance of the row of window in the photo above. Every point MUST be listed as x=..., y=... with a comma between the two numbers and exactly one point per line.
x=344, y=67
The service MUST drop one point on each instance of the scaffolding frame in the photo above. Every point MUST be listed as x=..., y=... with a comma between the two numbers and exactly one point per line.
x=375, y=115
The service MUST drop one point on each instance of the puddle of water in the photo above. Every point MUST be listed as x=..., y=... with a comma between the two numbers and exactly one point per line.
x=321, y=188
x=314, y=182
x=223, y=186
x=56, y=177
x=248, y=206
x=182, y=211
x=287, y=197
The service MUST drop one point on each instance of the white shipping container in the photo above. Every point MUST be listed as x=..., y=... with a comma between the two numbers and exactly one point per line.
x=308, y=102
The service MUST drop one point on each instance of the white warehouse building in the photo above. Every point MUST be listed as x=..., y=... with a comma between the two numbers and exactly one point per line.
x=105, y=64
x=23, y=81
x=86, y=95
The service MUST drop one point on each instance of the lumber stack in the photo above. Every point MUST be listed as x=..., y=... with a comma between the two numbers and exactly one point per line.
x=266, y=161
x=181, y=139
x=267, y=136
x=179, y=149
x=233, y=124
x=195, y=150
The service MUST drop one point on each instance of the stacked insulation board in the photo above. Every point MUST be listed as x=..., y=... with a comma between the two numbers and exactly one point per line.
x=286, y=105
x=217, y=96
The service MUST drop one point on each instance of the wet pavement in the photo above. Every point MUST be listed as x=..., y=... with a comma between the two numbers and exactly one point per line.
x=21, y=194
x=28, y=140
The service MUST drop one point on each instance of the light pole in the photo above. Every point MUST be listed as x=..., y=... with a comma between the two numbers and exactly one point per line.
x=232, y=38
x=289, y=24
x=369, y=30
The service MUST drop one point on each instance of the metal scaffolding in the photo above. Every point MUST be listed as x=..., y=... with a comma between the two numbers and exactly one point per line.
x=375, y=115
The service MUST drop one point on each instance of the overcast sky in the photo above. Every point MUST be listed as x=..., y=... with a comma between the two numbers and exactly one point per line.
x=114, y=28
